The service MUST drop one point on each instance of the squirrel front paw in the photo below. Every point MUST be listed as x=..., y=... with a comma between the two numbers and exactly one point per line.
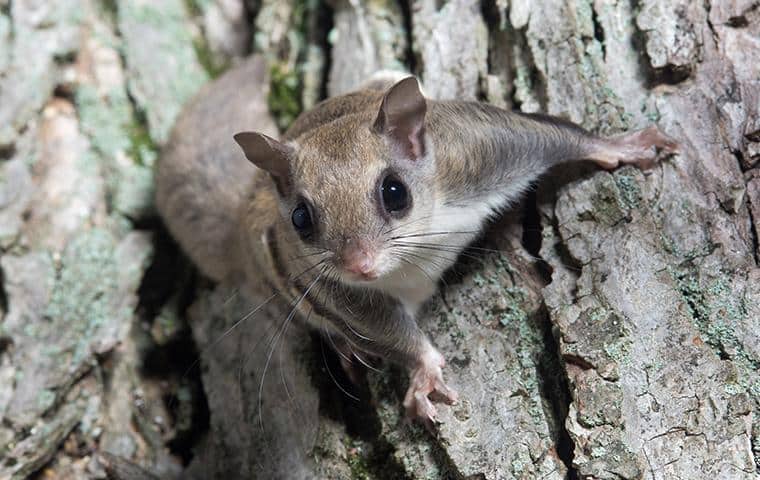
x=426, y=384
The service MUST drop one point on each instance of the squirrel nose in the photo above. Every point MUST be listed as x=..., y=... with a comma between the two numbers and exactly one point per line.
x=357, y=257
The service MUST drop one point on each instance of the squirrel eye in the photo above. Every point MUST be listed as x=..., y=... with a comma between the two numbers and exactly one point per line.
x=301, y=219
x=394, y=194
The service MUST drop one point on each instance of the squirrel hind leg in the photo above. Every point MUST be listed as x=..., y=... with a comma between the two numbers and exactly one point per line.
x=635, y=148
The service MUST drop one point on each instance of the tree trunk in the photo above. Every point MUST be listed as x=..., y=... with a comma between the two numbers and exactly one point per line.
x=607, y=328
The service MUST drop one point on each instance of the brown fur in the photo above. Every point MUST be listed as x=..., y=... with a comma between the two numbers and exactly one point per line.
x=461, y=162
x=201, y=176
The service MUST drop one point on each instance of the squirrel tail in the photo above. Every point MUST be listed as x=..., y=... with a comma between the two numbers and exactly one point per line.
x=202, y=177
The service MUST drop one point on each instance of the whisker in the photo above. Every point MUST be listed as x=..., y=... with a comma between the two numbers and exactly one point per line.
x=431, y=234
x=420, y=219
x=275, y=340
x=426, y=259
x=461, y=250
x=321, y=262
x=364, y=362
x=299, y=257
x=245, y=317
x=424, y=217
x=353, y=330
x=330, y=271
x=406, y=249
x=334, y=281
x=441, y=248
x=409, y=262
x=227, y=332
x=234, y=294
x=329, y=371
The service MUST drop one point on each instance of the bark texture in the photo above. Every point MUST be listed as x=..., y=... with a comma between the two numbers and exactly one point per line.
x=607, y=328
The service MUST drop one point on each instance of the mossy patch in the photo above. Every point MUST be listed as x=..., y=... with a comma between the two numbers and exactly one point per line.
x=210, y=63
x=284, y=98
x=142, y=149
x=289, y=62
x=213, y=65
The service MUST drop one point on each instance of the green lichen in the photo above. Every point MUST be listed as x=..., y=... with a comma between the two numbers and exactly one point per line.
x=654, y=367
x=650, y=112
x=717, y=311
x=160, y=30
x=45, y=399
x=166, y=326
x=597, y=314
x=733, y=388
x=104, y=119
x=629, y=189
x=83, y=296
x=123, y=147
x=519, y=465
x=523, y=83
x=619, y=351
x=529, y=354
x=502, y=261
x=512, y=311
x=674, y=248
x=598, y=451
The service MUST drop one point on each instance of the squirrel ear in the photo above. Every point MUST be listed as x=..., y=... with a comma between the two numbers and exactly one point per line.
x=266, y=152
x=402, y=117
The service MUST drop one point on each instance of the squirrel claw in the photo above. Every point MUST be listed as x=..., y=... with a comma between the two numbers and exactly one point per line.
x=426, y=383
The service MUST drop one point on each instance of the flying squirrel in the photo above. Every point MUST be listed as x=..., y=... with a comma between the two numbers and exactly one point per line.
x=342, y=215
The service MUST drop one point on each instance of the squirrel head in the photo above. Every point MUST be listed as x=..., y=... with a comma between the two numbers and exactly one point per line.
x=359, y=190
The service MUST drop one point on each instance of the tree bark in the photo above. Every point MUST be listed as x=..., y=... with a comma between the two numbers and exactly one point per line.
x=607, y=328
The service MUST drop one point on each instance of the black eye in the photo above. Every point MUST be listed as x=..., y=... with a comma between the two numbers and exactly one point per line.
x=301, y=219
x=394, y=195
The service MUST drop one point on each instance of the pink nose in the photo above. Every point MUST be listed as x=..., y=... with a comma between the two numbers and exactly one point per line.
x=357, y=257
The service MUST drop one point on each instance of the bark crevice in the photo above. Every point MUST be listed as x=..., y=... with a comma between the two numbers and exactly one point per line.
x=546, y=334
x=556, y=392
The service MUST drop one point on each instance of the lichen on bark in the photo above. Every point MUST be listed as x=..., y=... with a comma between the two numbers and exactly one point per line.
x=608, y=327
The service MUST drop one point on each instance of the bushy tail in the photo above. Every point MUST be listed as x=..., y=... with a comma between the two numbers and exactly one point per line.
x=202, y=175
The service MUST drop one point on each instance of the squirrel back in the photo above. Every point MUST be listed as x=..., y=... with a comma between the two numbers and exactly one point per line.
x=202, y=177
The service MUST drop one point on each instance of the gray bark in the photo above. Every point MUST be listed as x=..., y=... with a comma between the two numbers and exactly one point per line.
x=609, y=327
